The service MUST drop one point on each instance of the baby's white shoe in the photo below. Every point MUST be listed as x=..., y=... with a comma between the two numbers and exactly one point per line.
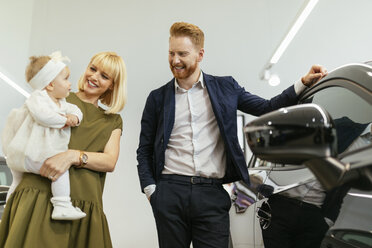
x=63, y=209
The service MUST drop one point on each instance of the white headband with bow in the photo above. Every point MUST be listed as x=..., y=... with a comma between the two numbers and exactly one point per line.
x=49, y=71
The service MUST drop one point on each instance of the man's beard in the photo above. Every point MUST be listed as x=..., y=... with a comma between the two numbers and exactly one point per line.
x=187, y=72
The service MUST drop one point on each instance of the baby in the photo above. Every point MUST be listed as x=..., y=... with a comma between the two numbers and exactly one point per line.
x=41, y=129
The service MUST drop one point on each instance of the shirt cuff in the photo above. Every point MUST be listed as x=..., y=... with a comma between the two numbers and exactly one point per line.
x=149, y=190
x=299, y=87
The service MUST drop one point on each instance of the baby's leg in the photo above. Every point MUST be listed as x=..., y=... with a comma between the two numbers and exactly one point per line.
x=63, y=209
x=61, y=187
x=62, y=206
x=17, y=177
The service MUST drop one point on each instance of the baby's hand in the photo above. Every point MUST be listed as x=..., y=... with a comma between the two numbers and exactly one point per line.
x=72, y=120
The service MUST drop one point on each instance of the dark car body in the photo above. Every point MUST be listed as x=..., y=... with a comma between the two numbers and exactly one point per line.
x=324, y=137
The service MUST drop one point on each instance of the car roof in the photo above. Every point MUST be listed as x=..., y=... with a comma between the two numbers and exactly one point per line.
x=359, y=73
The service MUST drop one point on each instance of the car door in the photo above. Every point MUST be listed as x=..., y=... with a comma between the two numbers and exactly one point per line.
x=349, y=104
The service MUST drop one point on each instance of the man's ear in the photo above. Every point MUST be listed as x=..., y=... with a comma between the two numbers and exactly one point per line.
x=201, y=55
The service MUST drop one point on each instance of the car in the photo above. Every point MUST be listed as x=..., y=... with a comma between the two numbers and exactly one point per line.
x=325, y=137
x=5, y=181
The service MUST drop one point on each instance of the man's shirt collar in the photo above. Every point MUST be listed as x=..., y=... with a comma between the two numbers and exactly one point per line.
x=200, y=81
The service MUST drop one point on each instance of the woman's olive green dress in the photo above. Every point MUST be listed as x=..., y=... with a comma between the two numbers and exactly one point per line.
x=27, y=222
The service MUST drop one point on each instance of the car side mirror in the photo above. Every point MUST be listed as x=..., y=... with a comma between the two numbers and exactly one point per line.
x=292, y=135
x=301, y=134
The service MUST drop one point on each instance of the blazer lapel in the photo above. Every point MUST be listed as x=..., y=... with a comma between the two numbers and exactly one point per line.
x=213, y=96
x=169, y=111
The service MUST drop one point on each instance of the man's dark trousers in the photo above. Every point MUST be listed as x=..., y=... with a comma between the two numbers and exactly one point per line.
x=191, y=209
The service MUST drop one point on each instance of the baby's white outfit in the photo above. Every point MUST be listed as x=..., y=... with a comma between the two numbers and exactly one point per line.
x=32, y=134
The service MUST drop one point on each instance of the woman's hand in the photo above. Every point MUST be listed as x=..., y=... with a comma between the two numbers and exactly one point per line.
x=104, y=161
x=55, y=166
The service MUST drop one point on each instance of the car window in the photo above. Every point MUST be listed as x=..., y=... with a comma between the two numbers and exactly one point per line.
x=357, y=239
x=5, y=175
x=5, y=181
x=352, y=116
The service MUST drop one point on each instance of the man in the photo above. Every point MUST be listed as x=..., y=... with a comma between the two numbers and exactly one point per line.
x=189, y=146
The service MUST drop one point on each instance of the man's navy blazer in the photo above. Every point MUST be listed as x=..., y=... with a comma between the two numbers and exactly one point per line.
x=226, y=97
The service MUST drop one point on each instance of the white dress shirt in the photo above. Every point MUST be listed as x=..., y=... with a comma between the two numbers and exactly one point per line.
x=195, y=146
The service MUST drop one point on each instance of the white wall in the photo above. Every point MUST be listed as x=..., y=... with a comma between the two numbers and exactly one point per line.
x=240, y=37
x=15, y=28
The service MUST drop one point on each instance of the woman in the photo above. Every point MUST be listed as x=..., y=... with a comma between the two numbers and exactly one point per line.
x=93, y=150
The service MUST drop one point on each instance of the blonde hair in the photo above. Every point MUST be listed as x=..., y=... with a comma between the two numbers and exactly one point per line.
x=114, y=66
x=189, y=30
x=35, y=65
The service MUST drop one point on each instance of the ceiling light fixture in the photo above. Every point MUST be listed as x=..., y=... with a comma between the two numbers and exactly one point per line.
x=293, y=31
x=302, y=16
